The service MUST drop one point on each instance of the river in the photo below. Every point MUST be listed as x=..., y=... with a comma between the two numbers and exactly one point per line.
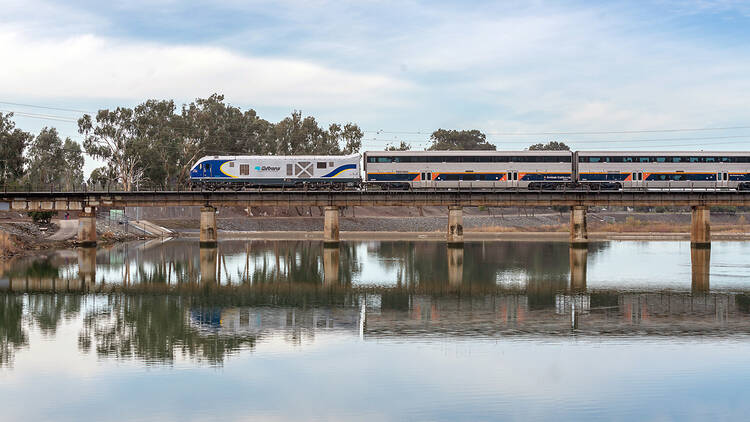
x=289, y=330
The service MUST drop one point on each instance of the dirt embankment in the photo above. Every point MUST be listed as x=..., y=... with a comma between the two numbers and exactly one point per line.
x=18, y=234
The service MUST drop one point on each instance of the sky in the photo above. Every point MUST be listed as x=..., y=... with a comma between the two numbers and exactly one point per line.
x=522, y=72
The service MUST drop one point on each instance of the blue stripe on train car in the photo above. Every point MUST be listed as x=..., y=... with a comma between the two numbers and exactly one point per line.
x=681, y=177
x=546, y=177
x=392, y=177
x=339, y=169
x=603, y=177
x=740, y=177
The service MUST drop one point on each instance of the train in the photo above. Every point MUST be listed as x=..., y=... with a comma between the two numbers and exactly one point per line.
x=482, y=170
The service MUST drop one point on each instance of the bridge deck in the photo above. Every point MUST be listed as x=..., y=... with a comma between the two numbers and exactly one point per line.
x=56, y=201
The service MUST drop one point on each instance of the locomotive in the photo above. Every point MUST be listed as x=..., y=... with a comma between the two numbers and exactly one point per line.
x=533, y=170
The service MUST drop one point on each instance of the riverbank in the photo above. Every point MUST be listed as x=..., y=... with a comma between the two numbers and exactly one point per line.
x=18, y=237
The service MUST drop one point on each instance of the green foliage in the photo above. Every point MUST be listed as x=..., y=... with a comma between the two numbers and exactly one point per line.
x=52, y=162
x=12, y=143
x=402, y=147
x=41, y=217
x=463, y=140
x=550, y=146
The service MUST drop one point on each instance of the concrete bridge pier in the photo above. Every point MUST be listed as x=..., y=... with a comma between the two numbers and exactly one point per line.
x=578, y=264
x=700, y=260
x=700, y=230
x=331, y=227
x=579, y=235
x=455, y=265
x=87, y=227
x=87, y=266
x=331, y=260
x=208, y=235
x=455, y=226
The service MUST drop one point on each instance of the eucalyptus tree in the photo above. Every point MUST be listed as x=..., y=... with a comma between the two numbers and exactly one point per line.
x=350, y=135
x=444, y=139
x=13, y=141
x=401, y=147
x=550, y=146
x=54, y=162
x=113, y=138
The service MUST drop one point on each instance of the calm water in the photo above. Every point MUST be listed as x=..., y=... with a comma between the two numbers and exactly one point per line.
x=276, y=330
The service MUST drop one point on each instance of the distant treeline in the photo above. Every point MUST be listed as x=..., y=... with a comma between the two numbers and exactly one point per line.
x=154, y=144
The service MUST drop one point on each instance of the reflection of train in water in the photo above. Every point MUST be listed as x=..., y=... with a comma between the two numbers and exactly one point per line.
x=588, y=170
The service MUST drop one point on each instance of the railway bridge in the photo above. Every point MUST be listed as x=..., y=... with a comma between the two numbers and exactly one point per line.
x=578, y=201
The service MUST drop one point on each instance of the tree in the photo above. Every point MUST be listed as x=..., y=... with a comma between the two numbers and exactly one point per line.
x=550, y=146
x=52, y=162
x=297, y=135
x=402, y=147
x=157, y=128
x=101, y=177
x=350, y=136
x=72, y=174
x=113, y=139
x=45, y=159
x=443, y=140
x=12, y=144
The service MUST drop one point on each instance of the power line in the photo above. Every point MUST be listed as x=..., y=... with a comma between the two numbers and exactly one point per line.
x=602, y=132
x=425, y=132
x=46, y=107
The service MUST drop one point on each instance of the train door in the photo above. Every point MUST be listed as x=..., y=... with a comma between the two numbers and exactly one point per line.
x=637, y=178
x=722, y=179
x=513, y=178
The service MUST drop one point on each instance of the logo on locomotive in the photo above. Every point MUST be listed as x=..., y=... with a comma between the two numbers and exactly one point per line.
x=267, y=168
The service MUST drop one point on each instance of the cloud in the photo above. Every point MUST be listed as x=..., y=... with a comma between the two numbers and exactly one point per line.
x=95, y=67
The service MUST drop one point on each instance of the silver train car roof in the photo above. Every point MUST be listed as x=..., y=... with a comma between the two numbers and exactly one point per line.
x=466, y=152
x=279, y=157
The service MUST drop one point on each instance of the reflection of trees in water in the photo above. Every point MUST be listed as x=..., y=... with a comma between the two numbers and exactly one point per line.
x=48, y=311
x=13, y=336
x=155, y=329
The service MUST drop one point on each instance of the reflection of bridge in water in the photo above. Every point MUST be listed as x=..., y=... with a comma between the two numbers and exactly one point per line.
x=429, y=291
x=164, y=299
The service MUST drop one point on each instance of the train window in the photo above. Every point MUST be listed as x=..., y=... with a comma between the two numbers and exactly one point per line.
x=594, y=159
x=710, y=159
x=661, y=159
x=320, y=165
x=676, y=159
x=627, y=159
x=724, y=159
x=290, y=169
x=429, y=176
x=384, y=159
x=244, y=169
x=643, y=159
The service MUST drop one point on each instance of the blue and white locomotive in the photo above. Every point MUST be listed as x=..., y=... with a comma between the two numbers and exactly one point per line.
x=268, y=170
x=548, y=170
